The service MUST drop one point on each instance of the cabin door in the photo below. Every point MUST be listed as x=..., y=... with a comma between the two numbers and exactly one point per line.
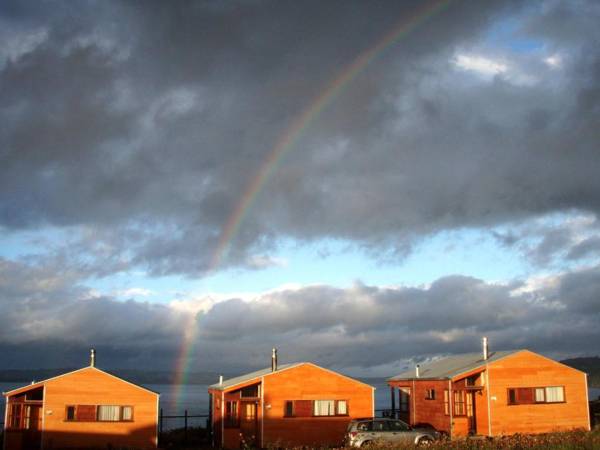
x=32, y=432
x=249, y=422
x=471, y=417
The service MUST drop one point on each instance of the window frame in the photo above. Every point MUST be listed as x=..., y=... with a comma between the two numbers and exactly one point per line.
x=460, y=406
x=533, y=390
x=96, y=415
x=430, y=394
x=404, y=399
x=290, y=406
x=232, y=414
x=446, y=402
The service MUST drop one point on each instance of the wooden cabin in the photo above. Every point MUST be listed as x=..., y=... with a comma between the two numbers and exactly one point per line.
x=86, y=408
x=298, y=404
x=492, y=394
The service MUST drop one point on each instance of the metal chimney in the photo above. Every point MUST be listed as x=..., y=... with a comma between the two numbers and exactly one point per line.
x=274, y=360
x=484, y=344
x=92, y=357
x=417, y=371
x=220, y=380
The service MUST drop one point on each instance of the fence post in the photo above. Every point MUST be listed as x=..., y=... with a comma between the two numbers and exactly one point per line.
x=185, y=427
x=160, y=424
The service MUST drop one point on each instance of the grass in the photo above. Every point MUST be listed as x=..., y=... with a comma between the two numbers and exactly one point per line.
x=571, y=440
x=551, y=441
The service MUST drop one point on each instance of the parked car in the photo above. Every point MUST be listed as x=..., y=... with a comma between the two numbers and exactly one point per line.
x=362, y=432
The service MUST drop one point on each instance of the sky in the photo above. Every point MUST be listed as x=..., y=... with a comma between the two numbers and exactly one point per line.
x=363, y=185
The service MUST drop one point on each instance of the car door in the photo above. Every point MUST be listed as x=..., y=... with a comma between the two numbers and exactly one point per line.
x=398, y=431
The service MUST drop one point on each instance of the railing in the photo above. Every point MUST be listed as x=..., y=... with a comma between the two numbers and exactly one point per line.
x=187, y=432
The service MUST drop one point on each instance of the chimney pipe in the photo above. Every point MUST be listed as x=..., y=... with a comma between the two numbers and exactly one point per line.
x=484, y=344
x=92, y=357
x=220, y=380
x=417, y=371
x=274, y=360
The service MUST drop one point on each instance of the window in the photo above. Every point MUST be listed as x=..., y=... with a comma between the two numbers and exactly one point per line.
x=472, y=380
x=342, y=408
x=555, y=394
x=98, y=413
x=315, y=408
x=398, y=425
x=288, y=410
x=324, y=408
x=459, y=403
x=540, y=395
x=430, y=394
x=127, y=413
x=446, y=402
x=529, y=395
x=231, y=415
x=403, y=396
x=250, y=391
x=108, y=413
x=70, y=415
x=15, y=413
x=249, y=411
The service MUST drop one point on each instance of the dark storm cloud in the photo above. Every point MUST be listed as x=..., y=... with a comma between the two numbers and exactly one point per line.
x=49, y=320
x=144, y=124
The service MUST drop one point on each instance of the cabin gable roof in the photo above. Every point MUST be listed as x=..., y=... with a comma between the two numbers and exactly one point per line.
x=257, y=375
x=452, y=366
x=89, y=368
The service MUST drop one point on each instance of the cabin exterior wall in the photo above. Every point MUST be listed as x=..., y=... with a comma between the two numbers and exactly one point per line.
x=93, y=387
x=308, y=382
x=487, y=409
x=303, y=382
x=421, y=408
x=527, y=369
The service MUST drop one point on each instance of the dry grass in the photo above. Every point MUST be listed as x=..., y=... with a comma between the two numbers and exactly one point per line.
x=552, y=441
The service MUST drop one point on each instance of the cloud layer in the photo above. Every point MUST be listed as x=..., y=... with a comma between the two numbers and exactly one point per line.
x=131, y=133
x=358, y=328
x=146, y=126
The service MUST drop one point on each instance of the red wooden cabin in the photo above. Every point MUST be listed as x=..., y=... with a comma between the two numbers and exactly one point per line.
x=298, y=404
x=86, y=408
x=499, y=393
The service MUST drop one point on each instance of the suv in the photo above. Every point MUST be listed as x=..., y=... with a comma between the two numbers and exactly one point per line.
x=362, y=432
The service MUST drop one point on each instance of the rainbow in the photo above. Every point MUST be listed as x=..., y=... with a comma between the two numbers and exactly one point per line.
x=291, y=135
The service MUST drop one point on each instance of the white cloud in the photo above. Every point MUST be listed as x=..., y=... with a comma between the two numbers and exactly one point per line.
x=135, y=292
x=554, y=61
x=479, y=64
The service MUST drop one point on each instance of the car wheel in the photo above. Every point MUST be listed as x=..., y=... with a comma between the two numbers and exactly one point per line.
x=424, y=441
x=366, y=444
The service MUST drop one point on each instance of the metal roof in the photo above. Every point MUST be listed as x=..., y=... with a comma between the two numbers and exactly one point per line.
x=242, y=379
x=43, y=382
x=251, y=376
x=451, y=366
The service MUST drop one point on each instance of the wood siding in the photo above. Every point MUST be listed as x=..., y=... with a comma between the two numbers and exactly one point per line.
x=523, y=369
x=308, y=382
x=527, y=369
x=425, y=411
x=90, y=386
x=303, y=382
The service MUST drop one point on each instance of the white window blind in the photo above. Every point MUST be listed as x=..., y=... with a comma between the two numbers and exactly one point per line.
x=539, y=395
x=108, y=413
x=324, y=408
x=127, y=413
x=555, y=394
